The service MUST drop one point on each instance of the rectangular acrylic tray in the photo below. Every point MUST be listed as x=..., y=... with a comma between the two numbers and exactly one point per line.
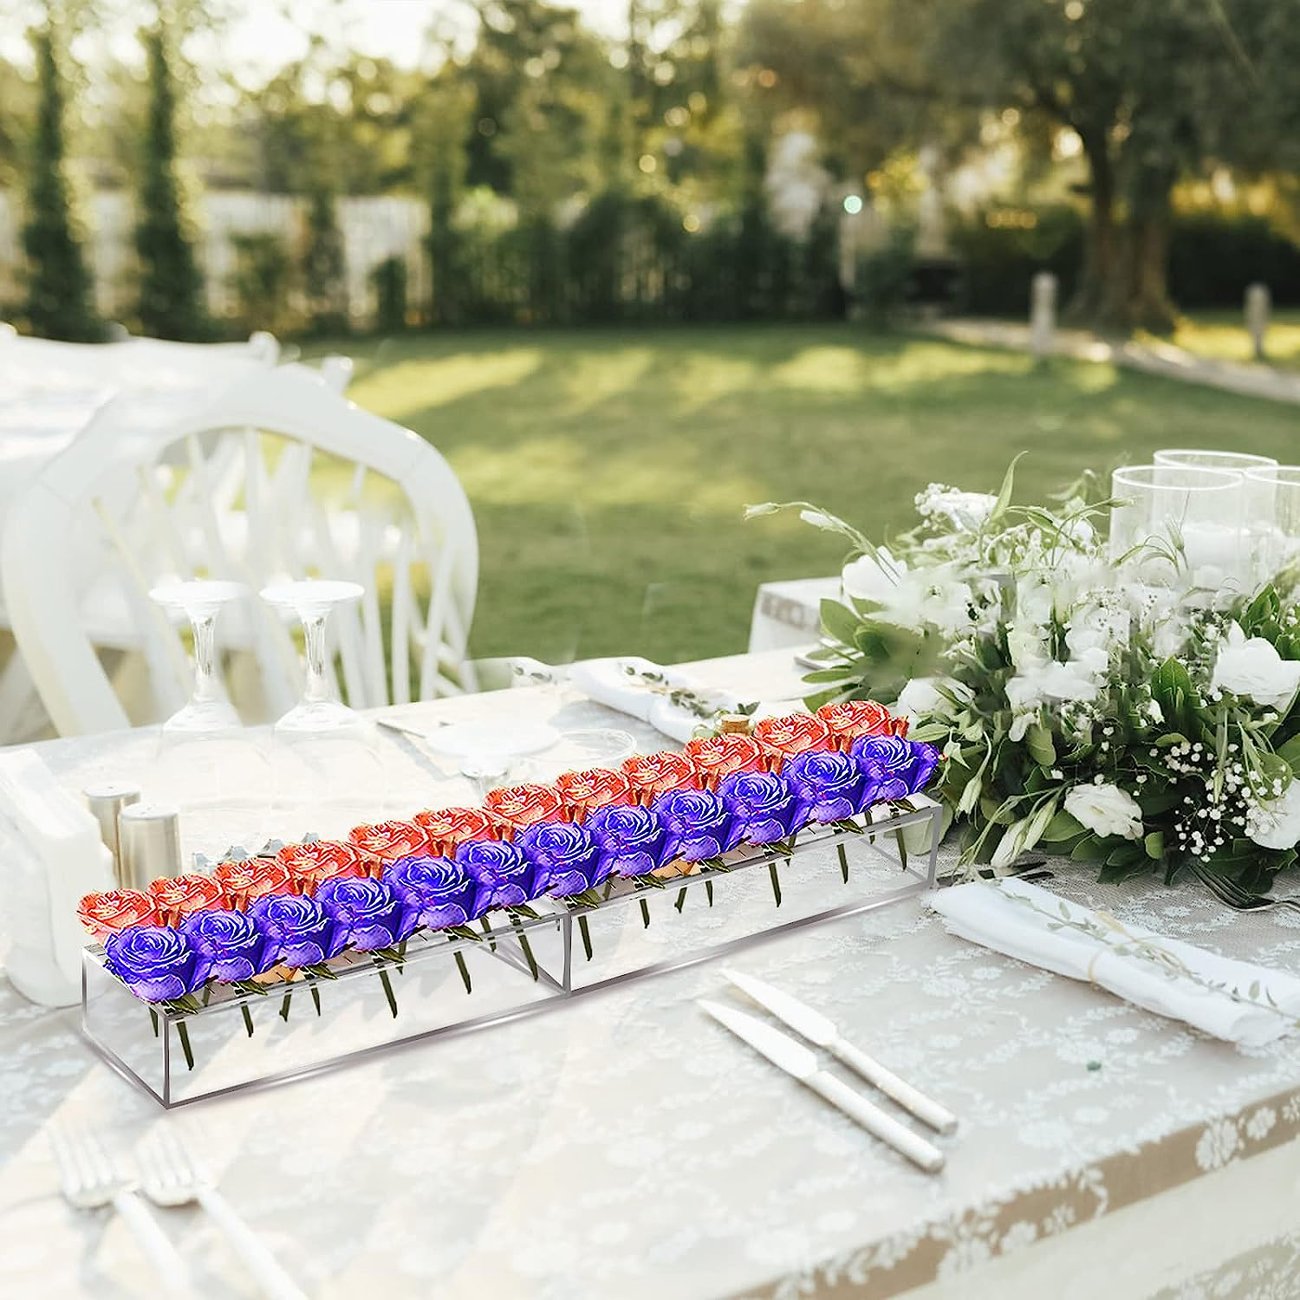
x=519, y=965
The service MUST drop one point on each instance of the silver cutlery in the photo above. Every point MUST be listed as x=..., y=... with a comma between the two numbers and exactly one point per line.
x=420, y=733
x=1236, y=896
x=801, y=1063
x=822, y=1032
x=168, y=1177
x=90, y=1179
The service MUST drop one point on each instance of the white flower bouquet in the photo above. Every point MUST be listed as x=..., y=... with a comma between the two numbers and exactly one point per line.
x=1079, y=709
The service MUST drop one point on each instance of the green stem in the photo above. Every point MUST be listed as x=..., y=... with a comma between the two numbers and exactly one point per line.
x=902, y=848
x=487, y=930
x=645, y=914
x=284, y=1006
x=314, y=991
x=776, y=881
x=464, y=971
x=388, y=991
x=708, y=891
x=527, y=950
x=153, y=1015
x=681, y=900
x=183, y=1033
x=844, y=862
x=248, y=1019
x=586, y=936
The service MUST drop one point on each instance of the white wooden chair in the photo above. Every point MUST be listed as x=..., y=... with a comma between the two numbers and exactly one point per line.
x=276, y=477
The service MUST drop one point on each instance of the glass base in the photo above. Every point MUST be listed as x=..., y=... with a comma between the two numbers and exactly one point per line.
x=518, y=964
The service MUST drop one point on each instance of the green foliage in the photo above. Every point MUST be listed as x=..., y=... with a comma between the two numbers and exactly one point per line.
x=1213, y=257
x=323, y=266
x=263, y=279
x=171, y=285
x=389, y=282
x=59, y=287
x=1001, y=252
x=885, y=276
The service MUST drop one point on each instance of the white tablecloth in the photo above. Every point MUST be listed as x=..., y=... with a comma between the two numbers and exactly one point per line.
x=627, y=1147
x=788, y=613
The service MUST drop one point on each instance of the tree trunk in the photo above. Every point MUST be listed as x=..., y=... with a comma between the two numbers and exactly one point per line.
x=1101, y=259
x=1147, y=303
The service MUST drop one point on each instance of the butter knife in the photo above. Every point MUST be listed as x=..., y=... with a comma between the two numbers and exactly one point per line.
x=800, y=1063
x=819, y=1030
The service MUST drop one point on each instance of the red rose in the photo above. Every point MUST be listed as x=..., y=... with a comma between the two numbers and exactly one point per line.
x=597, y=787
x=654, y=774
x=523, y=805
x=853, y=718
x=782, y=738
x=176, y=897
x=899, y=726
x=309, y=864
x=448, y=828
x=387, y=841
x=242, y=882
x=717, y=756
x=114, y=909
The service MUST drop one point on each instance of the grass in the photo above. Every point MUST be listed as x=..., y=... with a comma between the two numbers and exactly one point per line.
x=608, y=468
x=1223, y=335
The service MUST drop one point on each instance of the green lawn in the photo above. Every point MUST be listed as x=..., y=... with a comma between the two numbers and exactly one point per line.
x=1223, y=335
x=608, y=468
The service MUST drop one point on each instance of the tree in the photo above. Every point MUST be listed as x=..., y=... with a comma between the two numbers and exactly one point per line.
x=59, y=288
x=171, y=284
x=445, y=114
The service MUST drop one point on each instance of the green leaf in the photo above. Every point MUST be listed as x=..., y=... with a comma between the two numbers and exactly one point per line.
x=1038, y=740
x=1008, y=486
x=1062, y=827
x=1155, y=845
x=839, y=621
x=1290, y=754
x=1090, y=850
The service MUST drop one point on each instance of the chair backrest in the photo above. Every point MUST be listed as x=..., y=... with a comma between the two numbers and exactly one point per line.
x=277, y=477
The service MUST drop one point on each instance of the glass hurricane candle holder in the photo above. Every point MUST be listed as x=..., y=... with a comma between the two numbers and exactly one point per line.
x=1273, y=518
x=1201, y=458
x=1180, y=526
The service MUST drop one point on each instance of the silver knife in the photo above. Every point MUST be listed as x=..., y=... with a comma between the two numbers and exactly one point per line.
x=817, y=1029
x=406, y=729
x=797, y=1061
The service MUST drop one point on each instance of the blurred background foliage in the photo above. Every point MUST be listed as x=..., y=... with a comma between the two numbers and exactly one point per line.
x=775, y=159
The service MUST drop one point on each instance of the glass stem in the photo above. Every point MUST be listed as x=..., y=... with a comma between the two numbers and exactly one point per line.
x=316, y=689
x=207, y=688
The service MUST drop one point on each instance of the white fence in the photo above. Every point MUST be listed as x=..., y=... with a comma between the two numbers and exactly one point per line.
x=374, y=229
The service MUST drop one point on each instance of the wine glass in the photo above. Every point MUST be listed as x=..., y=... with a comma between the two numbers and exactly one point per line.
x=206, y=762
x=328, y=775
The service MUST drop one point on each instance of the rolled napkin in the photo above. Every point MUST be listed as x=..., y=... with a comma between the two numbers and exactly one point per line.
x=622, y=684
x=1233, y=1000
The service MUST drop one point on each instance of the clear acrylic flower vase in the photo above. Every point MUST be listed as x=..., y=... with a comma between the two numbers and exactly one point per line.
x=516, y=965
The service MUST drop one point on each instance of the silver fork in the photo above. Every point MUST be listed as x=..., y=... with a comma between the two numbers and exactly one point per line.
x=90, y=1179
x=1237, y=896
x=169, y=1177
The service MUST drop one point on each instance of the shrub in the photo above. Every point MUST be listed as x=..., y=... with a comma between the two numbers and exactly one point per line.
x=389, y=281
x=263, y=281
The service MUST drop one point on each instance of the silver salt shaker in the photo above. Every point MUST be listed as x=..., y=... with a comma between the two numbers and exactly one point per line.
x=106, y=802
x=149, y=842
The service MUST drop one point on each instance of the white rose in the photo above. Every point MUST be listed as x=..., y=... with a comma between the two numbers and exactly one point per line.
x=1105, y=809
x=1252, y=667
x=921, y=698
x=867, y=578
x=1027, y=644
x=1034, y=601
x=1276, y=823
x=1097, y=628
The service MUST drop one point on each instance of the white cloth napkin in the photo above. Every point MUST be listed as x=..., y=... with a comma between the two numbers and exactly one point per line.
x=607, y=682
x=1035, y=926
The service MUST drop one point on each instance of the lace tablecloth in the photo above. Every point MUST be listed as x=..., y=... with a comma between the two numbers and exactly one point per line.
x=628, y=1147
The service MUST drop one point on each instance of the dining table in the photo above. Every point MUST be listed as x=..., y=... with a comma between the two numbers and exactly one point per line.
x=626, y=1147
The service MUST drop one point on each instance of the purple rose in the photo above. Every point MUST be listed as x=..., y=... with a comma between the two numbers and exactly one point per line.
x=764, y=806
x=890, y=762
x=505, y=876
x=440, y=890
x=925, y=759
x=156, y=962
x=371, y=913
x=566, y=858
x=632, y=839
x=699, y=825
x=832, y=785
x=304, y=933
x=233, y=941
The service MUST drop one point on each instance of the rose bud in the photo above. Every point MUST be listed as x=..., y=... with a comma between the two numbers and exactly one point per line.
x=795, y=733
x=441, y=891
x=176, y=897
x=656, y=774
x=302, y=931
x=381, y=842
x=156, y=962
x=895, y=763
x=318, y=860
x=114, y=909
x=242, y=882
x=765, y=807
x=632, y=839
x=232, y=941
x=522, y=805
x=715, y=757
x=566, y=857
x=833, y=785
x=699, y=824
x=503, y=873
x=447, y=829
x=583, y=793
x=371, y=913
x=850, y=719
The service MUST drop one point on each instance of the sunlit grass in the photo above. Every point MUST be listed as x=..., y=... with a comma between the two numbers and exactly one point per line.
x=1223, y=335
x=608, y=469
